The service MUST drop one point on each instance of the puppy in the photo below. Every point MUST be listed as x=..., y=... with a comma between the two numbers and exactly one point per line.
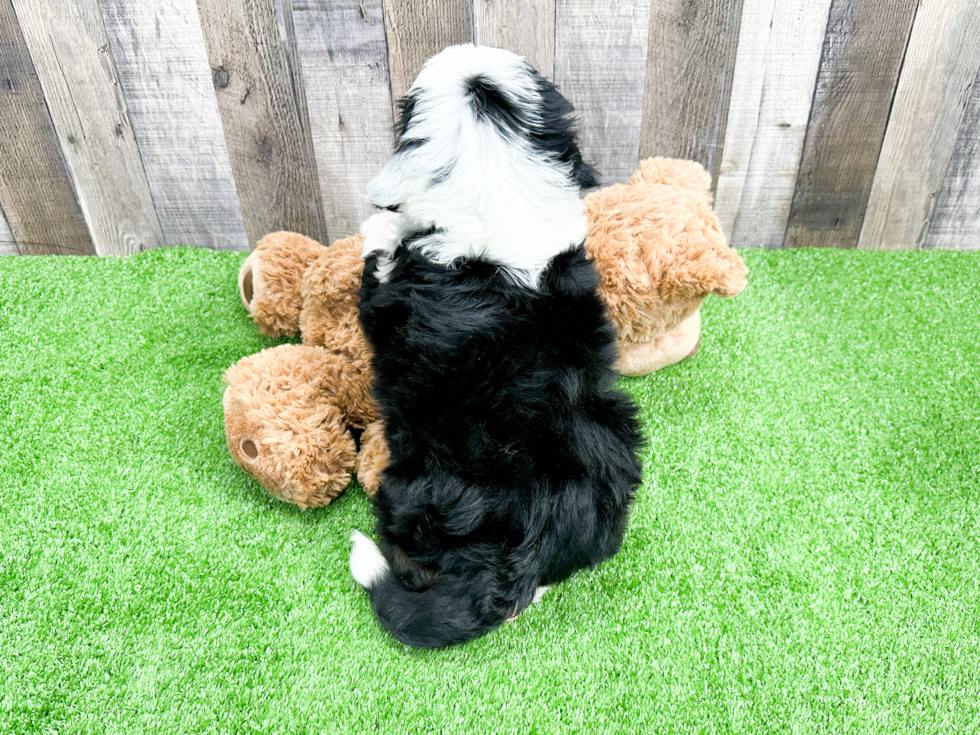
x=513, y=461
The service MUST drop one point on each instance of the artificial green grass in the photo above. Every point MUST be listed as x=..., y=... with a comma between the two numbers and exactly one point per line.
x=802, y=555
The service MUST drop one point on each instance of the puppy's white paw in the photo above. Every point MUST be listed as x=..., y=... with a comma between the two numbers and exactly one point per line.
x=381, y=233
x=539, y=593
x=367, y=563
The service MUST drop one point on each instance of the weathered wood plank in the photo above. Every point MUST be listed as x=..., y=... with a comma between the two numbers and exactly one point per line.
x=940, y=66
x=792, y=62
x=862, y=56
x=956, y=222
x=418, y=30
x=163, y=67
x=600, y=66
x=271, y=153
x=690, y=63
x=7, y=244
x=743, y=110
x=284, y=14
x=525, y=28
x=38, y=197
x=89, y=114
x=342, y=53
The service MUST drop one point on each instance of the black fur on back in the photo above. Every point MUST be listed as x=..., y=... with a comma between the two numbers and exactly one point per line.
x=513, y=459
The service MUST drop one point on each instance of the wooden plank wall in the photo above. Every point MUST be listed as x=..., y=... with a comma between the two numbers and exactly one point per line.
x=824, y=123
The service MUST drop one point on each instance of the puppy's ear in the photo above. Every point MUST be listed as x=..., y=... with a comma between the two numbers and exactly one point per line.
x=387, y=189
x=585, y=174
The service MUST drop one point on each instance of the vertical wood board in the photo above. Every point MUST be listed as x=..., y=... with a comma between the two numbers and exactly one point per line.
x=941, y=63
x=862, y=56
x=342, y=52
x=89, y=113
x=416, y=31
x=792, y=62
x=690, y=63
x=162, y=64
x=743, y=111
x=36, y=190
x=600, y=66
x=956, y=221
x=526, y=28
x=284, y=14
x=271, y=153
x=7, y=244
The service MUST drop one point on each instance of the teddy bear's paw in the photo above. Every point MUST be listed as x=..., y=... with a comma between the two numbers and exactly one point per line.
x=308, y=467
x=372, y=458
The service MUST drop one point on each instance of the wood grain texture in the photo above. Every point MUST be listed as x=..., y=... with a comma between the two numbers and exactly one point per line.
x=792, y=62
x=342, y=53
x=417, y=30
x=600, y=66
x=271, y=153
x=89, y=113
x=7, y=244
x=690, y=62
x=940, y=66
x=526, y=28
x=956, y=221
x=162, y=64
x=284, y=17
x=36, y=190
x=862, y=56
x=743, y=111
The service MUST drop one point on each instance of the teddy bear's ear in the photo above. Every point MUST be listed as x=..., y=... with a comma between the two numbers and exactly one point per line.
x=730, y=276
x=673, y=172
x=704, y=269
x=269, y=281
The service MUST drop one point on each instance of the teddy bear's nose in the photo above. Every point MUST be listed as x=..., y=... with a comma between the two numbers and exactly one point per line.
x=248, y=446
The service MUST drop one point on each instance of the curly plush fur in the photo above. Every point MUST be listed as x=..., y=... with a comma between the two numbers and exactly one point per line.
x=274, y=410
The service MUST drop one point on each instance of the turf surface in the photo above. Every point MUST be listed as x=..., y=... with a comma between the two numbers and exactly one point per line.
x=802, y=557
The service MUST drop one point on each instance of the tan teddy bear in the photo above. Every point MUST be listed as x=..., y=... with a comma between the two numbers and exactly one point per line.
x=292, y=413
x=295, y=414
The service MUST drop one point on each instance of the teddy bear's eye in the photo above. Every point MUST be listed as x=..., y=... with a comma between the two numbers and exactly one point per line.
x=248, y=446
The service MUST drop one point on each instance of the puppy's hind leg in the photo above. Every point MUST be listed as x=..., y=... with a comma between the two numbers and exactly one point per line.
x=538, y=594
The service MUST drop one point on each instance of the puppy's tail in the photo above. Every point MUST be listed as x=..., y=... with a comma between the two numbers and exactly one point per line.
x=453, y=609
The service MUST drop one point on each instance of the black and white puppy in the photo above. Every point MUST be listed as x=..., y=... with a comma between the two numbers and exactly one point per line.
x=513, y=461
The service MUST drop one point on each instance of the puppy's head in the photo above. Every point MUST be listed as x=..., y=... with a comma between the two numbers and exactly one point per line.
x=487, y=158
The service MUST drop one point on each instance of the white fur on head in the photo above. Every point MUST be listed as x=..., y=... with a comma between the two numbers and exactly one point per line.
x=367, y=563
x=484, y=191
